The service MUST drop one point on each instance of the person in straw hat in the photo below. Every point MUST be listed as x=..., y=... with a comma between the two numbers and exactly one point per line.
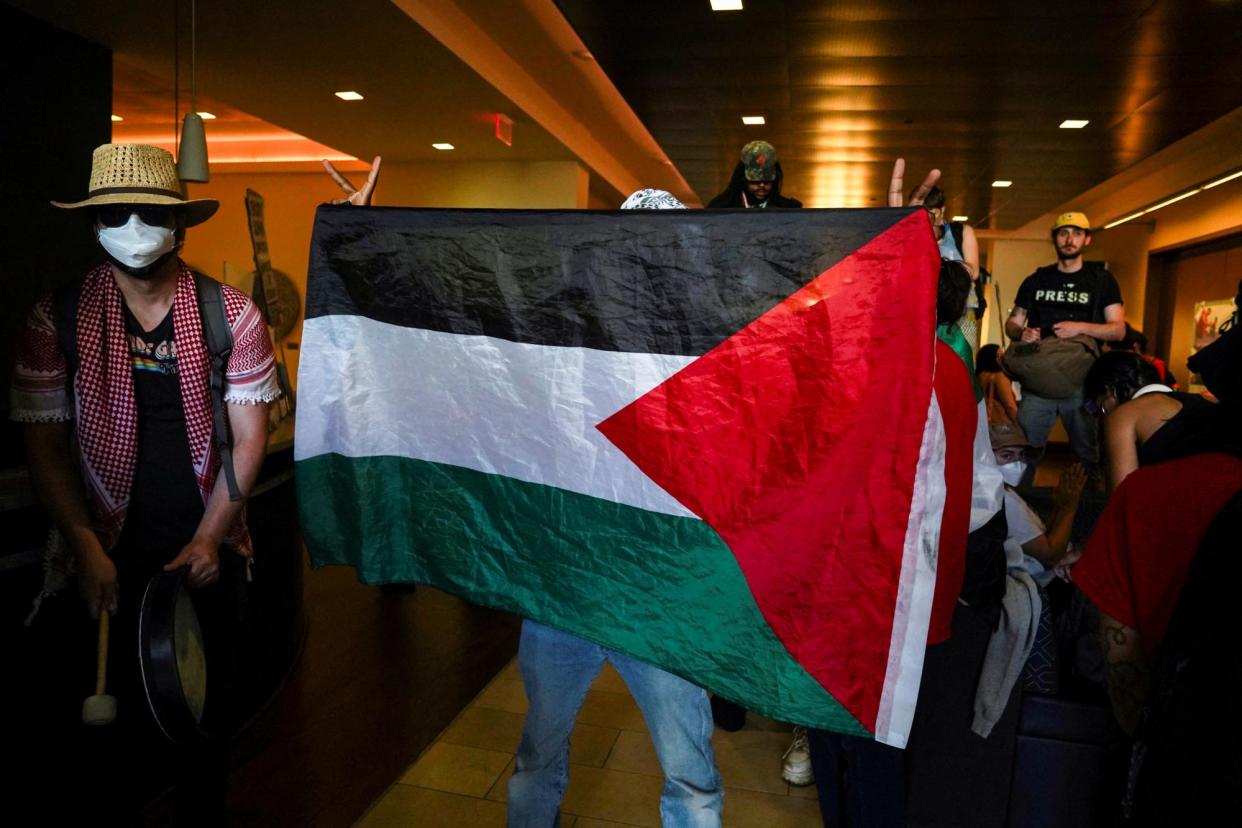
x=119, y=423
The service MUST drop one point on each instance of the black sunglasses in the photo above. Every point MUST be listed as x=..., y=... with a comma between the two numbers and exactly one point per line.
x=117, y=215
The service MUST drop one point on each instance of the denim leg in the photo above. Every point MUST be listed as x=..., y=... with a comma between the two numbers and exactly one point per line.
x=557, y=670
x=1083, y=431
x=1037, y=415
x=679, y=718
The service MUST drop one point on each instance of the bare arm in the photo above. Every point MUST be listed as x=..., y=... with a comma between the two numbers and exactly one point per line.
x=1007, y=399
x=1016, y=329
x=970, y=251
x=1049, y=548
x=249, y=427
x=1112, y=329
x=59, y=486
x=1127, y=671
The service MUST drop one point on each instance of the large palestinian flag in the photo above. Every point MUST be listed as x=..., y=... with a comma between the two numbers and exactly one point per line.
x=706, y=439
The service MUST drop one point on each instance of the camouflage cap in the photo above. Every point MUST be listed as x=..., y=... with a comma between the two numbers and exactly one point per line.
x=759, y=161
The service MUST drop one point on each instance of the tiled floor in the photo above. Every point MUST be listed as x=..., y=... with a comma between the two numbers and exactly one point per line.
x=614, y=777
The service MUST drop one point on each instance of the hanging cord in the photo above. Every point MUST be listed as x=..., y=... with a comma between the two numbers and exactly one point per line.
x=194, y=55
x=176, y=79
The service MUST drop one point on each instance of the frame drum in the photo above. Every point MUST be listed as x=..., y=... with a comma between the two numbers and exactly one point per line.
x=174, y=662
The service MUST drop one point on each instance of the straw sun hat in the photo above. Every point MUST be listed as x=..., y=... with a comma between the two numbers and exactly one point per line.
x=140, y=174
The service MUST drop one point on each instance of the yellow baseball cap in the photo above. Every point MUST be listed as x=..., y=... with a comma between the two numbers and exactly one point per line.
x=1071, y=220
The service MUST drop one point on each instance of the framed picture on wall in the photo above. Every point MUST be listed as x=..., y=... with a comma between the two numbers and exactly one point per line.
x=1209, y=316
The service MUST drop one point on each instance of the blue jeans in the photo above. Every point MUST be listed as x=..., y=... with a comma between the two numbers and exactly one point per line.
x=557, y=669
x=1037, y=415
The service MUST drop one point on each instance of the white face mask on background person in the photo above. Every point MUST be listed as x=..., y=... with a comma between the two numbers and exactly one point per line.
x=135, y=246
x=1012, y=473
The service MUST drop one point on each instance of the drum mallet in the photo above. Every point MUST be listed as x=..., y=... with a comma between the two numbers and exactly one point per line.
x=100, y=709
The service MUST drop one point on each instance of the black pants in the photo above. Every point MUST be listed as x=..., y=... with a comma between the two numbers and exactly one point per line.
x=954, y=777
x=861, y=782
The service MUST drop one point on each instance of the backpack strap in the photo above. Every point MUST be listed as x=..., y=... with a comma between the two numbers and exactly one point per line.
x=219, y=339
x=955, y=227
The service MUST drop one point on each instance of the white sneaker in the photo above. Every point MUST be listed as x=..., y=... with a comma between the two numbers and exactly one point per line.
x=796, y=769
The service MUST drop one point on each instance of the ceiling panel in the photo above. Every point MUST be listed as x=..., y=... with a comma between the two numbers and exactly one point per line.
x=977, y=88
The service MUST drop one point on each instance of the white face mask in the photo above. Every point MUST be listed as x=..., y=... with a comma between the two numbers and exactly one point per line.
x=1012, y=473
x=136, y=245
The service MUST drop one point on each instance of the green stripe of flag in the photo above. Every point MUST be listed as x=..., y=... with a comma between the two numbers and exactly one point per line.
x=538, y=550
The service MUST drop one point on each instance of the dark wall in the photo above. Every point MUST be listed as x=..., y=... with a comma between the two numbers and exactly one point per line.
x=57, y=94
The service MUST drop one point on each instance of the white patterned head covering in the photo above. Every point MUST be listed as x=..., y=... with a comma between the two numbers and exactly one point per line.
x=649, y=199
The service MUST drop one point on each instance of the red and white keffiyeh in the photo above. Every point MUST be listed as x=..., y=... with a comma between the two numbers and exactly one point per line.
x=103, y=403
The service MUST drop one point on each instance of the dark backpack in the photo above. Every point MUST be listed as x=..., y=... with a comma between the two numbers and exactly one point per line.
x=216, y=334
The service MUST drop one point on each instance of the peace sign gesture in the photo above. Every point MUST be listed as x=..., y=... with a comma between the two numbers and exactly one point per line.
x=354, y=196
x=895, y=197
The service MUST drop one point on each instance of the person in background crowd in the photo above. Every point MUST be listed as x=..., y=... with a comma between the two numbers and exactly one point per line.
x=1032, y=552
x=1044, y=547
x=558, y=668
x=1070, y=298
x=557, y=671
x=1138, y=570
x=998, y=394
x=1166, y=591
x=958, y=244
x=1144, y=420
x=1135, y=342
x=756, y=181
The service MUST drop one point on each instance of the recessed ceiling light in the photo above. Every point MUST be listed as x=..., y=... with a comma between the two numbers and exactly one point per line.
x=753, y=120
x=349, y=95
x=726, y=5
x=442, y=146
x=206, y=116
x=1073, y=123
x=960, y=218
x=117, y=118
x=1002, y=183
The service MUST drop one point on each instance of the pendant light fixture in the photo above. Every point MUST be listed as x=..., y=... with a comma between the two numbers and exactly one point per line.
x=192, y=151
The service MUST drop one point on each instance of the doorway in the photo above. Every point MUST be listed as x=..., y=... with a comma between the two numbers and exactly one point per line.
x=1179, y=279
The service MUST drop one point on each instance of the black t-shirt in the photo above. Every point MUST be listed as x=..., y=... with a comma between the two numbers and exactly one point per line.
x=165, y=505
x=1049, y=296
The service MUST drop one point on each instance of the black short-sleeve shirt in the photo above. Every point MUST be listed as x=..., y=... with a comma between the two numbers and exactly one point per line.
x=1049, y=296
x=165, y=505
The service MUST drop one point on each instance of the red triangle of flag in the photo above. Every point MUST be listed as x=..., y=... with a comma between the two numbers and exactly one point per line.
x=797, y=440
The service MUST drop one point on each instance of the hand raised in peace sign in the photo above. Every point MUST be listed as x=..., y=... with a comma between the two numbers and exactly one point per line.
x=354, y=196
x=895, y=186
